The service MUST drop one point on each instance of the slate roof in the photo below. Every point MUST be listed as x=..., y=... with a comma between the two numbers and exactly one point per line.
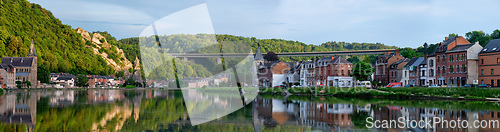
x=444, y=44
x=458, y=48
x=432, y=54
x=64, y=78
x=258, y=54
x=395, y=64
x=414, y=62
x=338, y=60
x=22, y=73
x=495, y=43
x=424, y=62
x=18, y=61
x=270, y=64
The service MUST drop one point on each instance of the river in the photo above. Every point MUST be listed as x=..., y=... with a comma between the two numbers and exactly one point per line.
x=192, y=110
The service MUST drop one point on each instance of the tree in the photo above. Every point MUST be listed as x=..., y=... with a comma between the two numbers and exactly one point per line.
x=478, y=36
x=362, y=71
x=28, y=84
x=43, y=73
x=495, y=34
x=271, y=56
x=353, y=60
x=82, y=81
x=452, y=35
x=19, y=84
x=120, y=74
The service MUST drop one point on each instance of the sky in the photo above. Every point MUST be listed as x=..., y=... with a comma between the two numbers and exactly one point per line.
x=392, y=22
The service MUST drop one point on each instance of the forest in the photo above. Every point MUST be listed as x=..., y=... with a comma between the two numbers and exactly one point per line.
x=59, y=47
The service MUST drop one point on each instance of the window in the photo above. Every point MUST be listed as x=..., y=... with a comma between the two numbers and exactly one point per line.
x=464, y=69
x=438, y=71
x=482, y=61
x=431, y=63
x=451, y=58
x=482, y=81
x=437, y=60
x=482, y=72
x=444, y=70
x=444, y=58
x=492, y=72
x=451, y=68
x=498, y=60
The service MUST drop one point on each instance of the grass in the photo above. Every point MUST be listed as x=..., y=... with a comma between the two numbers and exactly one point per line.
x=130, y=86
x=477, y=93
x=400, y=93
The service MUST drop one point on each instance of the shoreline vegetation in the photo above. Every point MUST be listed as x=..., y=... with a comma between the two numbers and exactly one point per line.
x=414, y=93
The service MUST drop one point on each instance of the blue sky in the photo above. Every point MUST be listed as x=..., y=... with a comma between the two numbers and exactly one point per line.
x=392, y=22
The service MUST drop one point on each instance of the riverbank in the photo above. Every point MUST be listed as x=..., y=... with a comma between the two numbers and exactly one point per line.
x=416, y=93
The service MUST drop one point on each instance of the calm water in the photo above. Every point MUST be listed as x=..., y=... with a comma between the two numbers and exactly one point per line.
x=176, y=110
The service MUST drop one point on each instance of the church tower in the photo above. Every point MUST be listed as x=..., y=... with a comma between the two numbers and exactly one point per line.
x=258, y=61
x=34, y=64
x=32, y=52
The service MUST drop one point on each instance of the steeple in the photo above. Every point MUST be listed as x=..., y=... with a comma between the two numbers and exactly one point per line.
x=258, y=54
x=32, y=52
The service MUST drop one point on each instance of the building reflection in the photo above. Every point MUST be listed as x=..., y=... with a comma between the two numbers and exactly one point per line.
x=19, y=109
x=269, y=113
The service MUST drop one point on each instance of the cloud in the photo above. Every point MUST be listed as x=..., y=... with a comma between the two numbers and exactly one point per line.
x=393, y=22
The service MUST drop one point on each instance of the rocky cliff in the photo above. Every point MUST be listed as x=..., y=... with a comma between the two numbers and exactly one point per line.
x=112, y=54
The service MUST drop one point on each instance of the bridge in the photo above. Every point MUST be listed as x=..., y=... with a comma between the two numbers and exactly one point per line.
x=291, y=54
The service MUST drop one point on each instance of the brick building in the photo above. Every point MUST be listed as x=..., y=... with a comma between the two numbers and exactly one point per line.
x=454, y=58
x=329, y=71
x=272, y=73
x=396, y=70
x=489, y=64
x=382, y=66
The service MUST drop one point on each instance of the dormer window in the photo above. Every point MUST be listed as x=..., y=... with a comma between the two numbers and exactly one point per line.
x=485, y=49
x=494, y=49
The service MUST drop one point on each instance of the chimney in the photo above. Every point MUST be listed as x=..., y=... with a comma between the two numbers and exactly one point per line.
x=445, y=38
x=397, y=52
x=477, y=42
x=425, y=56
x=333, y=57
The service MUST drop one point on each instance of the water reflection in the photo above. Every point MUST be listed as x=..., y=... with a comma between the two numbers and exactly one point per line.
x=166, y=110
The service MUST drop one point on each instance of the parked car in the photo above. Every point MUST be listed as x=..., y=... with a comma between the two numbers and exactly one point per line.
x=366, y=84
x=408, y=85
x=434, y=86
x=468, y=85
x=484, y=85
x=396, y=86
x=279, y=86
x=297, y=86
x=392, y=84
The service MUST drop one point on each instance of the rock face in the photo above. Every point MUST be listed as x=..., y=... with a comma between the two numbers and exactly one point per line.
x=122, y=64
x=137, y=71
x=84, y=33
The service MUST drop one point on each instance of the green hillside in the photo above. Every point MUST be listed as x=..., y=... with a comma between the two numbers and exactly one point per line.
x=59, y=47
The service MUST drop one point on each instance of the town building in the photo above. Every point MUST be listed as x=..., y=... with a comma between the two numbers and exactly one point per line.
x=272, y=73
x=431, y=68
x=396, y=70
x=8, y=74
x=382, y=66
x=489, y=64
x=456, y=56
x=410, y=71
x=25, y=68
x=329, y=71
x=422, y=72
